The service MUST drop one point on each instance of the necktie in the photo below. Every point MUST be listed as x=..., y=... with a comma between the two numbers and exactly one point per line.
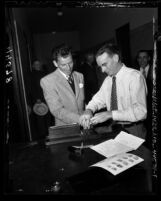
x=144, y=73
x=113, y=95
x=71, y=82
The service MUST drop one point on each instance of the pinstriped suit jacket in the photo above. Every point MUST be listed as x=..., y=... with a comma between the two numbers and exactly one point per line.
x=60, y=98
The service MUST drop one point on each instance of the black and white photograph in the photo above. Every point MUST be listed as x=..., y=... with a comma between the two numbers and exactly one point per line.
x=81, y=90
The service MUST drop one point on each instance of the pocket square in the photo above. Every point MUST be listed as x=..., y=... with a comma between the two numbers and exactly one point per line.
x=81, y=85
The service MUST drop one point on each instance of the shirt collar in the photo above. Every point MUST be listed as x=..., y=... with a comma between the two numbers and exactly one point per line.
x=66, y=77
x=146, y=68
x=120, y=71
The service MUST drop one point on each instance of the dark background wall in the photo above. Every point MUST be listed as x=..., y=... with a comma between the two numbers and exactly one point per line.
x=141, y=38
x=99, y=27
x=95, y=27
x=43, y=44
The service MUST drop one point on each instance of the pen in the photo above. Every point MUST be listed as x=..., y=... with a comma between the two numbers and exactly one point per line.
x=84, y=146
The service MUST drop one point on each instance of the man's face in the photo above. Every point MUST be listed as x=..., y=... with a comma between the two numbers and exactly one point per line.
x=65, y=64
x=107, y=63
x=90, y=58
x=37, y=65
x=143, y=59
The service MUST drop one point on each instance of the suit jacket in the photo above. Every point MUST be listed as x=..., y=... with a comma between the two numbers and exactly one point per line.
x=149, y=80
x=149, y=83
x=148, y=121
x=61, y=100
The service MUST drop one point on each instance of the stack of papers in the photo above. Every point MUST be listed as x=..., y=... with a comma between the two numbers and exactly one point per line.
x=115, y=150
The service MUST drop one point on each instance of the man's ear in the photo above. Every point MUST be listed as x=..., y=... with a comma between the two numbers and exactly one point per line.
x=116, y=57
x=55, y=63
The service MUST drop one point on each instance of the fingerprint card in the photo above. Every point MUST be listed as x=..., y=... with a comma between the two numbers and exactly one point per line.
x=119, y=163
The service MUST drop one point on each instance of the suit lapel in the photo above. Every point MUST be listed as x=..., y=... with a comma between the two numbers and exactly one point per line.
x=64, y=83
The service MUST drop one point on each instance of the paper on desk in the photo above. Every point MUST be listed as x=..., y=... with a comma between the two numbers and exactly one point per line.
x=119, y=163
x=123, y=143
x=129, y=140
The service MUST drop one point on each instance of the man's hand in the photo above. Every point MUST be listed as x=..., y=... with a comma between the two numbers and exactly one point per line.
x=84, y=119
x=101, y=117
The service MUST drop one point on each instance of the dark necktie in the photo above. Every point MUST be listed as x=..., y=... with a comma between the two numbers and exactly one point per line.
x=113, y=95
x=144, y=73
x=71, y=82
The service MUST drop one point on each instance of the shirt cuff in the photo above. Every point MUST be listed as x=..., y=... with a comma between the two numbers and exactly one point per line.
x=89, y=108
x=114, y=115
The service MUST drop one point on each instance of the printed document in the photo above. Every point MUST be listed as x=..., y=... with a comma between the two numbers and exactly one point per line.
x=119, y=163
x=122, y=143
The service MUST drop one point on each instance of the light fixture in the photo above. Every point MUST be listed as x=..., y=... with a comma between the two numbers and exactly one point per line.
x=59, y=11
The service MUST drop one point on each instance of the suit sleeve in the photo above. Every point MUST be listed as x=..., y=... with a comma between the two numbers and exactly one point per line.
x=55, y=104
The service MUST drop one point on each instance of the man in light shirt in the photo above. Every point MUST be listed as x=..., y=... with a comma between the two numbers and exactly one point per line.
x=131, y=109
x=64, y=88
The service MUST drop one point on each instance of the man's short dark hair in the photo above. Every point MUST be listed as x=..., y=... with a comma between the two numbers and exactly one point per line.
x=145, y=51
x=62, y=50
x=110, y=49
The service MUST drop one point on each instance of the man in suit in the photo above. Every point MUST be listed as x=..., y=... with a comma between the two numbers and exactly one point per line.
x=145, y=67
x=64, y=88
x=144, y=63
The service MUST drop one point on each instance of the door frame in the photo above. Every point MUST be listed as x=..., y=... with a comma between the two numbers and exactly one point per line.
x=18, y=79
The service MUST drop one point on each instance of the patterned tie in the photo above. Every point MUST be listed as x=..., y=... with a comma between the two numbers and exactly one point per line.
x=71, y=82
x=113, y=95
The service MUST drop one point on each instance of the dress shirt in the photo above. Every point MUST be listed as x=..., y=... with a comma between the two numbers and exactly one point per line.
x=146, y=70
x=131, y=96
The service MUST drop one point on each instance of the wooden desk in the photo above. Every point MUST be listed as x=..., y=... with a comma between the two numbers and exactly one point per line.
x=34, y=169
